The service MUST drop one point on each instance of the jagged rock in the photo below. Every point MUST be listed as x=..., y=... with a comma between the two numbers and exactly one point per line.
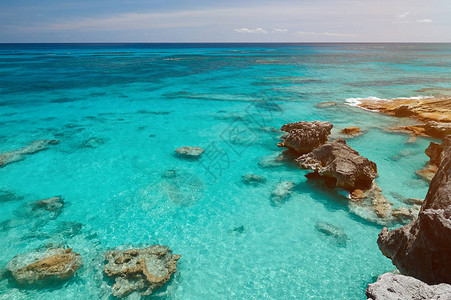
x=434, y=151
x=189, y=152
x=21, y=153
x=42, y=267
x=339, y=162
x=351, y=131
x=391, y=286
x=326, y=104
x=331, y=230
x=422, y=249
x=140, y=270
x=304, y=136
x=282, y=192
x=252, y=179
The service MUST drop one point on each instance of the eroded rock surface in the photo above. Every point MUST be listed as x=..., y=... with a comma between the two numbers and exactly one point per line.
x=391, y=286
x=21, y=153
x=339, y=162
x=305, y=136
x=189, y=152
x=435, y=152
x=140, y=270
x=42, y=267
x=422, y=249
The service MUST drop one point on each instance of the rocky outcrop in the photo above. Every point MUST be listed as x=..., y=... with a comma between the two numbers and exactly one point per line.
x=391, y=286
x=352, y=131
x=140, y=270
x=435, y=112
x=42, y=267
x=252, y=179
x=188, y=152
x=434, y=151
x=282, y=191
x=21, y=153
x=342, y=164
x=422, y=249
x=305, y=136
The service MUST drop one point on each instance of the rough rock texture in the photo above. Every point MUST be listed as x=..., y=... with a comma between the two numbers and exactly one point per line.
x=252, y=179
x=391, y=286
x=41, y=267
x=422, y=249
x=351, y=131
x=304, y=136
x=434, y=151
x=21, y=153
x=339, y=162
x=282, y=192
x=140, y=270
x=434, y=111
x=189, y=152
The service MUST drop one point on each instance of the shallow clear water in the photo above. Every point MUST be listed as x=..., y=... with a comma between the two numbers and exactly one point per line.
x=120, y=111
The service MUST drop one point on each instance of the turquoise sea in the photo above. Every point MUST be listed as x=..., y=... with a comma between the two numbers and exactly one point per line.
x=120, y=111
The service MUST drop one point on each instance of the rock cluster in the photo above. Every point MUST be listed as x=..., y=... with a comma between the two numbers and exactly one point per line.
x=422, y=249
x=305, y=136
x=140, y=270
x=21, y=153
x=41, y=267
x=391, y=286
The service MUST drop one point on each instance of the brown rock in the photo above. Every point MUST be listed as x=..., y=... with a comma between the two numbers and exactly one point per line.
x=351, y=131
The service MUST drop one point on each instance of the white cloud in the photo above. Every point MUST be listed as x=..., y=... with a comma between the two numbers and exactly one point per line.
x=249, y=30
x=279, y=30
x=404, y=14
x=326, y=34
x=424, y=21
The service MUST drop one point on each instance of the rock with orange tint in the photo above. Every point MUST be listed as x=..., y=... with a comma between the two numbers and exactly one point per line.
x=351, y=131
x=42, y=267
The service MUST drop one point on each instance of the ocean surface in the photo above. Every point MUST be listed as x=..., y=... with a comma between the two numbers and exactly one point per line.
x=120, y=111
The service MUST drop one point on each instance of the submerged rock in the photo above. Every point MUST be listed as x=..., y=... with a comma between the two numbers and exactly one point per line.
x=331, y=230
x=252, y=179
x=422, y=249
x=282, y=191
x=326, y=104
x=54, y=204
x=140, y=270
x=342, y=164
x=21, y=153
x=6, y=196
x=305, y=136
x=189, y=152
x=43, y=267
x=391, y=286
x=93, y=142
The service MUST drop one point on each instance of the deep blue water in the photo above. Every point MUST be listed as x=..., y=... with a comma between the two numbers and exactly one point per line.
x=120, y=111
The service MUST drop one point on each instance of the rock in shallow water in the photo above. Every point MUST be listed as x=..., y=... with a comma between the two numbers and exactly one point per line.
x=399, y=287
x=141, y=270
x=43, y=267
x=333, y=231
x=339, y=162
x=282, y=191
x=21, y=153
x=305, y=136
x=188, y=152
x=252, y=179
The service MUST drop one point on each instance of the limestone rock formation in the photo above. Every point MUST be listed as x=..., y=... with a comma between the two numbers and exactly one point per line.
x=351, y=131
x=189, y=152
x=21, y=153
x=305, y=136
x=422, y=249
x=434, y=151
x=339, y=162
x=140, y=270
x=42, y=267
x=391, y=286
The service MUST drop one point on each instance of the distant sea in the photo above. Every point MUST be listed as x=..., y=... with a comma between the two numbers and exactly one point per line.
x=120, y=111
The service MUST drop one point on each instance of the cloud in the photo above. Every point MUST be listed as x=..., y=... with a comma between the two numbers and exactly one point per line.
x=279, y=30
x=248, y=30
x=404, y=14
x=326, y=34
x=424, y=21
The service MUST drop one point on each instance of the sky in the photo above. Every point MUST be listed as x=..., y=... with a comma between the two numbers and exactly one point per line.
x=225, y=21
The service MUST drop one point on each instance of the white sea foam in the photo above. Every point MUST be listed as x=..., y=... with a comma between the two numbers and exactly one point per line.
x=358, y=101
